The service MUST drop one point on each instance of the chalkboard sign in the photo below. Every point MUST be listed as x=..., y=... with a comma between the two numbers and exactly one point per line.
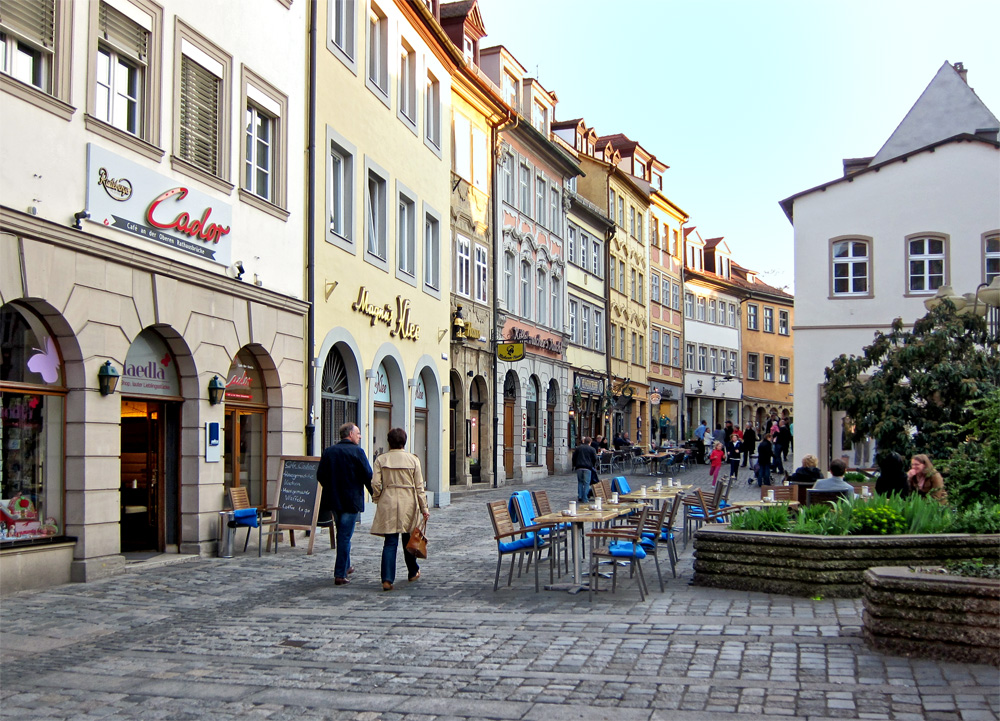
x=298, y=495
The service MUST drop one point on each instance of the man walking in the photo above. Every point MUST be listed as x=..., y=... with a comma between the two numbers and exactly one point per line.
x=749, y=443
x=699, y=433
x=344, y=473
x=585, y=465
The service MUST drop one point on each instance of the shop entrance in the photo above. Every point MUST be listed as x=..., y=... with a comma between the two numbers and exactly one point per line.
x=148, y=479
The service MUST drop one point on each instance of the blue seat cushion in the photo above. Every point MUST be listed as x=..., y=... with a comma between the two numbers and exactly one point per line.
x=246, y=517
x=517, y=545
x=620, y=485
x=624, y=549
x=521, y=507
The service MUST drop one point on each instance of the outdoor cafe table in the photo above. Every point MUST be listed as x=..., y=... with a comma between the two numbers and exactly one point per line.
x=654, y=460
x=583, y=515
x=666, y=493
x=764, y=503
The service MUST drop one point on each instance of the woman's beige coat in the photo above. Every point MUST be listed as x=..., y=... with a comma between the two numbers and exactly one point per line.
x=398, y=491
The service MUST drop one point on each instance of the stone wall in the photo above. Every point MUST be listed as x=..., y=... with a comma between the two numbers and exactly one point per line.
x=828, y=566
x=949, y=618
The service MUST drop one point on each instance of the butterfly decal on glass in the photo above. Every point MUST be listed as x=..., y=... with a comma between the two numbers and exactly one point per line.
x=45, y=362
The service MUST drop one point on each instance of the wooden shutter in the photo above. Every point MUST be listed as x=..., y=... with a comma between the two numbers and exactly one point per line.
x=32, y=19
x=199, y=111
x=121, y=32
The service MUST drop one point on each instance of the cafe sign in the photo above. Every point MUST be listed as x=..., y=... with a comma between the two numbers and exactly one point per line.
x=131, y=198
x=397, y=319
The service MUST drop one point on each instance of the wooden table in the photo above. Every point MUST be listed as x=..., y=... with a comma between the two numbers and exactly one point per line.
x=764, y=503
x=654, y=459
x=576, y=521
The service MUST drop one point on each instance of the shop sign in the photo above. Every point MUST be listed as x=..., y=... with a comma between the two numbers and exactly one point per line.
x=420, y=396
x=380, y=388
x=590, y=385
x=133, y=199
x=536, y=341
x=243, y=383
x=149, y=368
x=398, y=322
x=654, y=397
x=510, y=352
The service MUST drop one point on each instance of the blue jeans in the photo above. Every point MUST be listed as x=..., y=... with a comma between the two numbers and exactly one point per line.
x=389, y=546
x=776, y=463
x=345, y=523
x=765, y=475
x=583, y=484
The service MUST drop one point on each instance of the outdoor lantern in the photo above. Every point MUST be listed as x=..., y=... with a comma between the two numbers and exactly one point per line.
x=107, y=378
x=216, y=390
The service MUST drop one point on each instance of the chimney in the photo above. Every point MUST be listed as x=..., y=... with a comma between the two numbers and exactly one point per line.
x=962, y=72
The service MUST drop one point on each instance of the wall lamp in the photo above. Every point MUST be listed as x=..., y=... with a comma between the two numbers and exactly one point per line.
x=78, y=217
x=216, y=391
x=107, y=378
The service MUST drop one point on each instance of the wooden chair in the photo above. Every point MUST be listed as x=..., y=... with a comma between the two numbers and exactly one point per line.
x=605, y=485
x=266, y=516
x=625, y=545
x=813, y=497
x=698, y=511
x=560, y=532
x=516, y=543
x=781, y=493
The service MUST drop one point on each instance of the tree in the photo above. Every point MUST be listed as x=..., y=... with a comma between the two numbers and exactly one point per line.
x=974, y=468
x=913, y=390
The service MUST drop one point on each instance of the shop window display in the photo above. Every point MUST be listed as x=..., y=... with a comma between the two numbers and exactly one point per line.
x=31, y=426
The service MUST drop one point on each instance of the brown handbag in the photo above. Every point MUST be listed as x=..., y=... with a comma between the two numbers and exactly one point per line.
x=417, y=545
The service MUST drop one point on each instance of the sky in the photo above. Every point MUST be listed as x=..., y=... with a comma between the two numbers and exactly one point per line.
x=748, y=102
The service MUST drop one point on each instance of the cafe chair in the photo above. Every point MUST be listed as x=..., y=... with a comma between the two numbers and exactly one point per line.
x=604, y=462
x=559, y=535
x=814, y=497
x=517, y=544
x=781, y=493
x=620, y=485
x=624, y=544
x=522, y=510
x=654, y=533
x=265, y=519
x=697, y=511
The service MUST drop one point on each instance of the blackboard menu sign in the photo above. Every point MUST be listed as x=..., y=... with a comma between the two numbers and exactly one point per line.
x=298, y=495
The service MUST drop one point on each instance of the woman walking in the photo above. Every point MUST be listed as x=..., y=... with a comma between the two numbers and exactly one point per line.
x=398, y=491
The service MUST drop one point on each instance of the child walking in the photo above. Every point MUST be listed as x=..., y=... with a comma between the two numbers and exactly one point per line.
x=716, y=460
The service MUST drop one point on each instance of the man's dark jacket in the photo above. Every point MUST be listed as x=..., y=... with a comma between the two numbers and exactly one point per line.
x=764, y=453
x=344, y=472
x=584, y=456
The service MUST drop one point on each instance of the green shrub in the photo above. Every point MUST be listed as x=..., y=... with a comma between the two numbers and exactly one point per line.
x=974, y=567
x=857, y=477
x=977, y=518
x=877, y=521
x=763, y=519
x=824, y=519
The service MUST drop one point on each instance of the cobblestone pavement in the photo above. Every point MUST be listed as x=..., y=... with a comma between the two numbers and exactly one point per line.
x=273, y=638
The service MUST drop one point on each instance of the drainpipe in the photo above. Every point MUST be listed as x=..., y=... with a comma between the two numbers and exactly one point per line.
x=494, y=147
x=311, y=239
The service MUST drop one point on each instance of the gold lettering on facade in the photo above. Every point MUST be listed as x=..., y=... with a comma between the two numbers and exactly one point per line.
x=400, y=326
x=376, y=313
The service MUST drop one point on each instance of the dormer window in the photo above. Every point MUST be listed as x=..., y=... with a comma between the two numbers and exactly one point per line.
x=539, y=117
x=640, y=169
x=509, y=89
x=468, y=49
x=657, y=181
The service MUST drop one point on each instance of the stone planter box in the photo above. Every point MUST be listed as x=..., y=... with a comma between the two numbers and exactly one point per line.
x=949, y=618
x=828, y=566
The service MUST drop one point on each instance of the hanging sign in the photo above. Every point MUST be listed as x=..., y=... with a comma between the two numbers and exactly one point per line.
x=510, y=352
x=133, y=199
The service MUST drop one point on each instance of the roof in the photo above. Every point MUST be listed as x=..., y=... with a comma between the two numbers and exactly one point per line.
x=712, y=242
x=459, y=9
x=947, y=107
x=688, y=230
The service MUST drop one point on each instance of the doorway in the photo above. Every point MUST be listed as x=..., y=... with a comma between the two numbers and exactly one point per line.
x=243, y=453
x=148, y=475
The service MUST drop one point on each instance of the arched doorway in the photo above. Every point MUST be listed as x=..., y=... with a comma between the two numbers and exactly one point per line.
x=455, y=455
x=245, y=456
x=339, y=400
x=32, y=403
x=150, y=445
x=477, y=399
x=509, y=402
x=549, y=429
x=418, y=441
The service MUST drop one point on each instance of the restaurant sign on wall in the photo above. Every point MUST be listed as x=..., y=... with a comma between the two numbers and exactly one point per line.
x=133, y=199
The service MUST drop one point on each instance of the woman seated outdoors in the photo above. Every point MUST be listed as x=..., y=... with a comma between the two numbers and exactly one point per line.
x=808, y=472
x=925, y=480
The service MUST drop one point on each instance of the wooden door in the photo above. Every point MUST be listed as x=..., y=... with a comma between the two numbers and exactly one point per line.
x=508, y=437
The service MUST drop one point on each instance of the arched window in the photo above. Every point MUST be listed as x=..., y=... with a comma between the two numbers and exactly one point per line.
x=338, y=405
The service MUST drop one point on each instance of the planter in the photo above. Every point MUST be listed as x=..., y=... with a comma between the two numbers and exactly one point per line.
x=949, y=618
x=828, y=566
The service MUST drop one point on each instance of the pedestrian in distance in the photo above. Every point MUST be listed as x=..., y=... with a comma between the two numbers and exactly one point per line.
x=764, y=458
x=585, y=464
x=699, y=434
x=398, y=491
x=344, y=473
x=733, y=453
x=749, y=443
x=715, y=459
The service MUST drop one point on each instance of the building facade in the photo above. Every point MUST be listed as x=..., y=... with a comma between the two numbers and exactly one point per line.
x=873, y=245
x=155, y=236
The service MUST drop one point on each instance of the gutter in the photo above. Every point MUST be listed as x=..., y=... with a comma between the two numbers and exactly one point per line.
x=311, y=239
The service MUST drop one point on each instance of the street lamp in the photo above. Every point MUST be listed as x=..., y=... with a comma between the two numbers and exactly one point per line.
x=107, y=378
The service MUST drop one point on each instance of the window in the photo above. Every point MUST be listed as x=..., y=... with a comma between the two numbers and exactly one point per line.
x=342, y=30
x=462, y=266
x=556, y=304
x=376, y=214
x=711, y=310
x=783, y=370
x=468, y=49
x=635, y=348
x=753, y=363
x=432, y=251
x=654, y=233
x=202, y=112
x=621, y=277
x=432, y=112
x=631, y=220
x=525, y=289
x=571, y=243
x=573, y=306
x=621, y=211
x=734, y=363
x=732, y=315
x=525, y=189
x=598, y=330
x=378, y=54
x=407, y=84
x=406, y=235
x=509, y=89
x=702, y=358
x=768, y=320
x=926, y=258
x=265, y=141
x=612, y=275
x=769, y=368
x=783, y=322
x=555, y=211
x=463, y=146
x=632, y=278
x=654, y=288
x=677, y=350
x=584, y=249
x=120, y=79
x=713, y=360
x=688, y=305
x=33, y=36
x=654, y=346
x=991, y=258
x=540, y=200
x=542, y=293
x=614, y=342
x=638, y=222
x=585, y=326
x=850, y=267
x=540, y=117
x=508, y=178
x=689, y=355
x=642, y=350
x=701, y=309
x=641, y=288
x=751, y=316
x=340, y=190
x=675, y=296
x=596, y=256
x=508, y=280
x=621, y=341
x=482, y=274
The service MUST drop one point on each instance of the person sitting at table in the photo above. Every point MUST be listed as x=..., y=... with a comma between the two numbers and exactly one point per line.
x=599, y=443
x=618, y=441
x=836, y=480
x=808, y=472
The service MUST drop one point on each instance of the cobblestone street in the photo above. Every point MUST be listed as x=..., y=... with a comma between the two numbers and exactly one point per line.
x=273, y=638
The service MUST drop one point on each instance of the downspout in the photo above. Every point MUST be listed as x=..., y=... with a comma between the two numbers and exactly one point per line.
x=610, y=235
x=311, y=238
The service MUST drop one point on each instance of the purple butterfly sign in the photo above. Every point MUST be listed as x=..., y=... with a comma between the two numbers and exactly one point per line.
x=45, y=362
